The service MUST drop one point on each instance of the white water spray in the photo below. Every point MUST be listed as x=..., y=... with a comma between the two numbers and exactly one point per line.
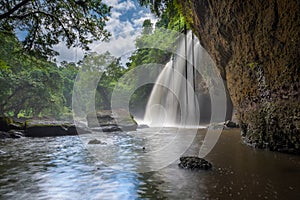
x=173, y=101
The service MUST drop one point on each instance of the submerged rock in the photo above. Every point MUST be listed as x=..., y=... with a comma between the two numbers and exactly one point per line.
x=193, y=162
x=95, y=141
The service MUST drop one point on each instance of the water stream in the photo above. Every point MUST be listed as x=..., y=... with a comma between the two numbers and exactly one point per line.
x=63, y=168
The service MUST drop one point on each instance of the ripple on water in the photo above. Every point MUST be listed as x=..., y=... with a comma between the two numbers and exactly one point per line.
x=66, y=168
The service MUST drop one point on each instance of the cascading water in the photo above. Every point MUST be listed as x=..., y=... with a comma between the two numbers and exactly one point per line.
x=173, y=101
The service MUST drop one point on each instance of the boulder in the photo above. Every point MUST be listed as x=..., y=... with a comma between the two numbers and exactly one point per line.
x=5, y=123
x=95, y=141
x=52, y=128
x=231, y=124
x=192, y=162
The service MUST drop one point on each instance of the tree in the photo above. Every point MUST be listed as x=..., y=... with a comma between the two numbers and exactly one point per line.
x=46, y=22
x=147, y=27
x=157, y=7
x=29, y=86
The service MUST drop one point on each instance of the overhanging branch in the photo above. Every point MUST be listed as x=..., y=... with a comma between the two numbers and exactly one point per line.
x=14, y=9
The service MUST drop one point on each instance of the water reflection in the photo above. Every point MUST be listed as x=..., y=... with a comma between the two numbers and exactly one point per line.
x=63, y=168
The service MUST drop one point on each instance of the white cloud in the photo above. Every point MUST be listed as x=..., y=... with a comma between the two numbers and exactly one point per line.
x=73, y=54
x=142, y=17
x=126, y=5
x=120, y=5
x=124, y=33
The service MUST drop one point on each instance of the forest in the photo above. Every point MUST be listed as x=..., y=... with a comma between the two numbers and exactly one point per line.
x=35, y=85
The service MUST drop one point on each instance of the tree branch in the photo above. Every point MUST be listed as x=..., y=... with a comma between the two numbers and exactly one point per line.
x=14, y=9
x=45, y=14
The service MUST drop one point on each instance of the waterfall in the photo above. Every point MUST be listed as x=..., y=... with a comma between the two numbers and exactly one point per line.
x=173, y=101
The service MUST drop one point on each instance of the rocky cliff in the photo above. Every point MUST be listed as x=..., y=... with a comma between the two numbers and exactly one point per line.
x=256, y=46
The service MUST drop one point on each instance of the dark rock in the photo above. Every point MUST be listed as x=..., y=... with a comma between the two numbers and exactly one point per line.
x=230, y=124
x=110, y=128
x=95, y=141
x=4, y=123
x=192, y=162
x=74, y=130
x=51, y=128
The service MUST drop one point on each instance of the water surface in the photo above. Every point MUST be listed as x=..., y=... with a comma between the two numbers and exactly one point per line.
x=67, y=168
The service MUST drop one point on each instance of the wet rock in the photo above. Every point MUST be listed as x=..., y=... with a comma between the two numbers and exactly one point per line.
x=231, y=124
x=95, y=141
x=52, y=128
x=5, y=123
x=75, y=130
x=192, y=162
x=110, y=128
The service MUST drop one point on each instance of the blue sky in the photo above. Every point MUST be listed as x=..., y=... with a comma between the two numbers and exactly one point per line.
x=125, y=23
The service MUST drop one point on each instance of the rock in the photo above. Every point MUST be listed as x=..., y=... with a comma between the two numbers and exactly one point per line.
x=119, y=120
x=230, y=124
x=51, y=128
x=75, y=130
x=192, y=162
x=110, y=128
x=2, y=152
x=95, y=141
x=4, y=123
x=259, y=59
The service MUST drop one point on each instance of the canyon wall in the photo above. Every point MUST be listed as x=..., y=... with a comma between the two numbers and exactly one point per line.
x=255, y=44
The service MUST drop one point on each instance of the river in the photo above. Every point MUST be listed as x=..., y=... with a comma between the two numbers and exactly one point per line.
x=67, y=168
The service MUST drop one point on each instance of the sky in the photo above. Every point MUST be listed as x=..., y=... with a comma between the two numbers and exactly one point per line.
x=125, y=23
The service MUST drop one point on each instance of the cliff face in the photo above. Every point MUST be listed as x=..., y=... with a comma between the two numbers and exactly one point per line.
x=256, y=45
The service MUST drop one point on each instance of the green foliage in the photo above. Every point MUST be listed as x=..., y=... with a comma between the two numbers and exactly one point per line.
x=46, y=22
x=30, y=86
x=154, y=46
x=95, y=82
x=157, y=7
